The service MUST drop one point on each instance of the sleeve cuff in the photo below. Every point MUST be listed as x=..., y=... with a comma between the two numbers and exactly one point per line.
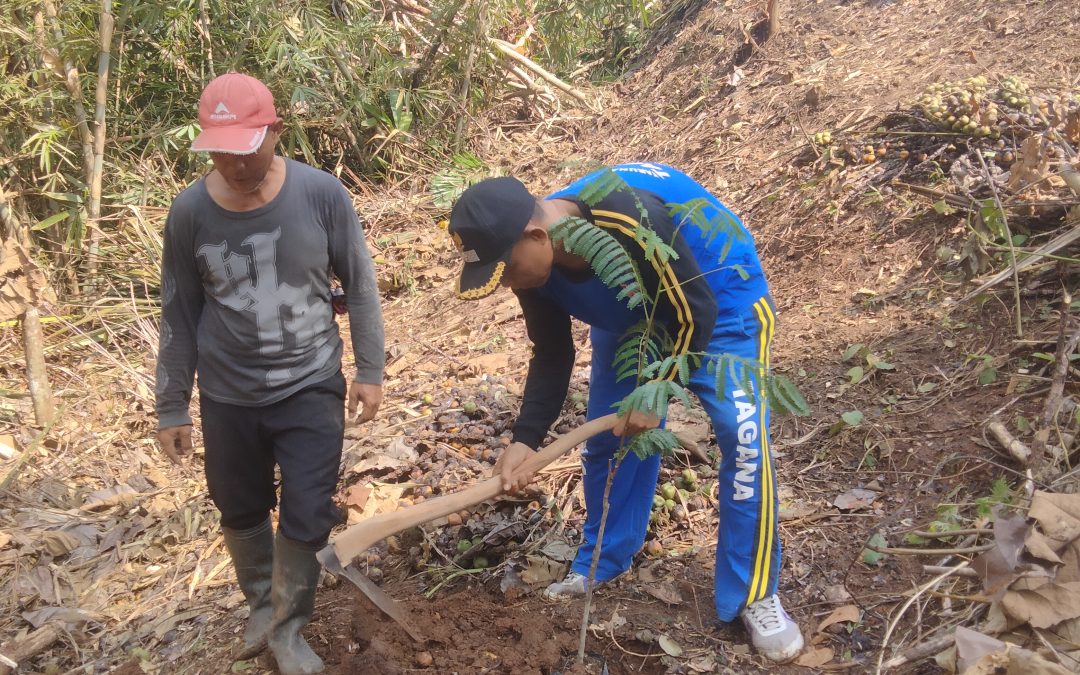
x=529, y=438
x=369, y=376
x=173, y=419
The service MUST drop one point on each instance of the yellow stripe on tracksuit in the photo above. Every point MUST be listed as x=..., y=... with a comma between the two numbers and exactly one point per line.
x=669, y=282
x=759, y=580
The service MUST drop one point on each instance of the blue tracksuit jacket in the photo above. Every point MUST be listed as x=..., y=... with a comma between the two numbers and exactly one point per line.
x=707, y=306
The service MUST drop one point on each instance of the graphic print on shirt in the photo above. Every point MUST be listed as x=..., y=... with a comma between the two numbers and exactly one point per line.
x=249, y=283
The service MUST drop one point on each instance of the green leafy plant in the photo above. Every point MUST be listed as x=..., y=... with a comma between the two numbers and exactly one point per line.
x=869, y=555
x=872, y=363
x=1001, y=494
x=988, y=374
x=447, y=184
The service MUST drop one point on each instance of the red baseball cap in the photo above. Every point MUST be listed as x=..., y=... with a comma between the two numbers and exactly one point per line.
x=235, y=110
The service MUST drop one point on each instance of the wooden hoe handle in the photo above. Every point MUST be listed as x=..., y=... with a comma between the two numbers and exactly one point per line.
x=356, y=539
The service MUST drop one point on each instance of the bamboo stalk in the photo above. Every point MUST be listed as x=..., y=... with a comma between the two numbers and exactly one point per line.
x=101, y=93
x=428, y=59
x=70, y=74
x=36, y=375
x=507, y=50
x=466, y=80
x=204, y=25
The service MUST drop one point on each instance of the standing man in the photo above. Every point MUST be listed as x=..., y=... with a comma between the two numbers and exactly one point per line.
x=707, y=304
x=245, y=290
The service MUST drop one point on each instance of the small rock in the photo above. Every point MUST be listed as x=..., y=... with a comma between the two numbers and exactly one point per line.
x=837, y=593
x=424, y=659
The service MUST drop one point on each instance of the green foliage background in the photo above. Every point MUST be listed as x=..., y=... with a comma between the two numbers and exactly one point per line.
x=362, y=94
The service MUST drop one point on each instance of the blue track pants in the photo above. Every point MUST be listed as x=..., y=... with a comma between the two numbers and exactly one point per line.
x=747, y=547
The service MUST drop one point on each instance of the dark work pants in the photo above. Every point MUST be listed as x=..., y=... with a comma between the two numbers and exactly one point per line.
x=303, y=435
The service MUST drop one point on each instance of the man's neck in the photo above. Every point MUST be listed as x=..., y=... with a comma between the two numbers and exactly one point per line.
x=232, y=200
x=554, y=211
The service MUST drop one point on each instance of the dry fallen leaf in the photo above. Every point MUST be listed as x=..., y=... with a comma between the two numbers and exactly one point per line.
x=512, y=585
x=1031, y=165
x=664, y=592
x=703, y=664
x=616, y=621
x=376, y=463
x=670, y=647
x=649, y=573
x=845, y=613
x=971, y=645
x=998, y=566
x=540, y=571
x=356, y=496
x=7, y=446
x=1041, y=547
x=855, y=498
x=488, y=364
x=382, y=499
x=1044, y=606
x=815, y=658
x=559, y=550
x=117, y=495
x=58, y=543
x=1058, y=515
x=1013, y=660
x=70, y=616
x=836, y=593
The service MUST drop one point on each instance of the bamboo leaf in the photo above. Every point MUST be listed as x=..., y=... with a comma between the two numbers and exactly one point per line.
x=51, y=220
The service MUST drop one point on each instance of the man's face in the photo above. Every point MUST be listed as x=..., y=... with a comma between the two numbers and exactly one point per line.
x=530, y=261
x=245, y=173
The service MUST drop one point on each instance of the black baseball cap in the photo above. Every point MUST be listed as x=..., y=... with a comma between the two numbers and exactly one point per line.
x=485, y=223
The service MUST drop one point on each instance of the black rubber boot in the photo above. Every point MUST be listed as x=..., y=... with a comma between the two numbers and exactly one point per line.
x=252, y=554
x=296, y=576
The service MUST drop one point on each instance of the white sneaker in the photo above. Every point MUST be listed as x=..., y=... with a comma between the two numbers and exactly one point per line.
x=573, y=586
x=774, y=634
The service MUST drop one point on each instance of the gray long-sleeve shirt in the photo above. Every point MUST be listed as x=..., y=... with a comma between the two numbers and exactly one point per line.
x=246, y=295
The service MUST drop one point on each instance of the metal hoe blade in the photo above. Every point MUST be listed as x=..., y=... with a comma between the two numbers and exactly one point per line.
x=384, y=602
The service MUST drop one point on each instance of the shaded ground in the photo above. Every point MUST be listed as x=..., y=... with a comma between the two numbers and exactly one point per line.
x=852, y=261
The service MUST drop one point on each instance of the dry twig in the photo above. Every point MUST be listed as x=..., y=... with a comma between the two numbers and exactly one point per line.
x=1015, y=448
x=903, y=608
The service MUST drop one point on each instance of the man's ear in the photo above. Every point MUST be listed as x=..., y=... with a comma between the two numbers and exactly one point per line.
x=536, y=233
x=278, y=126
